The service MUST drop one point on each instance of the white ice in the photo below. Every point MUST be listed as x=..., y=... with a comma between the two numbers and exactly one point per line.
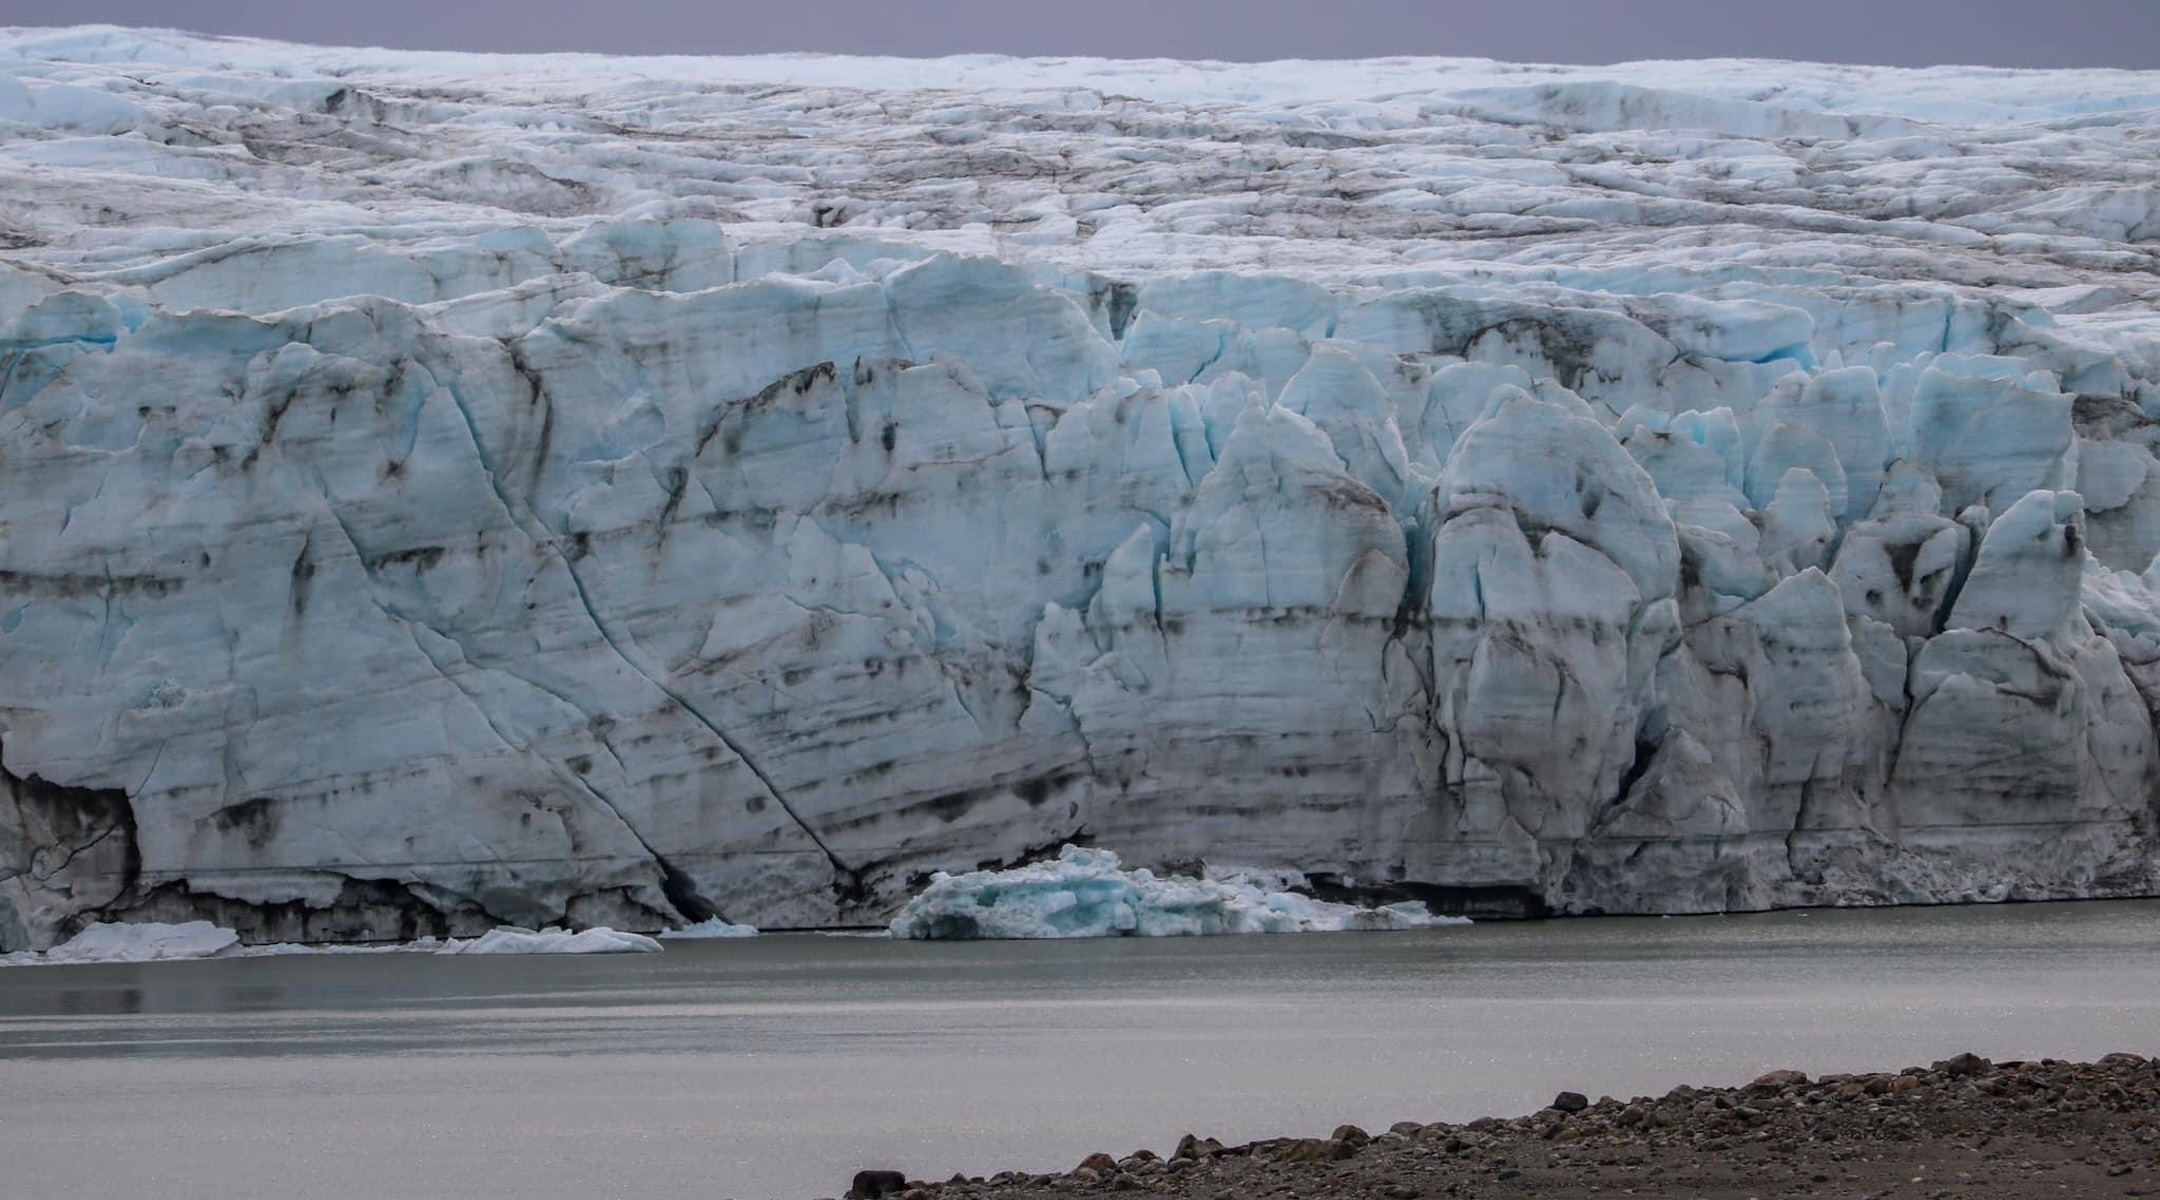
x=709, y=929
x=447, y=491
x=1085, y=893
x=510, y=940
x=106, y=942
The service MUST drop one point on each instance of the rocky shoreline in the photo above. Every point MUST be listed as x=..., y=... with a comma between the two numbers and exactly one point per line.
x=1964, y=1126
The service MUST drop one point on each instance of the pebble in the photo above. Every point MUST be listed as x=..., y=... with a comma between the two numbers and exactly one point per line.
x=2005, y=1130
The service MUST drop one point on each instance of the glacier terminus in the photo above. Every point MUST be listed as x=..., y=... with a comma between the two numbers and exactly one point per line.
x=443, y=491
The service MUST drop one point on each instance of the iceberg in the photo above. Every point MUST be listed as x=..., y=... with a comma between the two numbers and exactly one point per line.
x=441, y=492
x=1085, y=893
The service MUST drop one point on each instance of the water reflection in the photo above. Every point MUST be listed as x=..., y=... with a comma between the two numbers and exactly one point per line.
x=775, y=1066
x=101, y=1001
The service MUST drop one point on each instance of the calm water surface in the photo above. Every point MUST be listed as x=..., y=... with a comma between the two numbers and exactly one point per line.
x=778, y=1066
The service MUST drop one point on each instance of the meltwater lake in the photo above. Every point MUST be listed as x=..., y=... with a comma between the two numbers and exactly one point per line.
x=778, y=1066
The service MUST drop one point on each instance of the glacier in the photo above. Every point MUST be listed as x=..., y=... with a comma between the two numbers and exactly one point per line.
x=440, y=491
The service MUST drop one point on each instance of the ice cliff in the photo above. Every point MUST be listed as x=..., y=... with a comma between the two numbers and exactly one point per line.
x=440, y=491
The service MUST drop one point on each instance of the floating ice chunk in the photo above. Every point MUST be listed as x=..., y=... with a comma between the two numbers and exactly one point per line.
x=149, y=942
x=105, y=942
x=426, y=945
x=509, y=939
x=1085, y=893
x=709, y=930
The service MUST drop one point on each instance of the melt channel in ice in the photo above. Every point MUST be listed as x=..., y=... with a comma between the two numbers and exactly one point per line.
x=1085, y=893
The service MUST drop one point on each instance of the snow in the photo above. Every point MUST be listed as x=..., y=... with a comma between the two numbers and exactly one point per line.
x=561, y=491
x=1086, y=893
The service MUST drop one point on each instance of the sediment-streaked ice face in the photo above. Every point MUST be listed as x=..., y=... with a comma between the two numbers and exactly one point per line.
x=439, y=492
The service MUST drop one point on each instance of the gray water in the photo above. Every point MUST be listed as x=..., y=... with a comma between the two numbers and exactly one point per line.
x=780, y=1065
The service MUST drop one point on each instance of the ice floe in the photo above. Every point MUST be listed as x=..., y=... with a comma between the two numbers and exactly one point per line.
x=107, y=942
x=511, y=940
x=709, y=930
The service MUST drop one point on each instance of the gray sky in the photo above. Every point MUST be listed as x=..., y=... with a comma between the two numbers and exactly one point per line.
x=2034, y=33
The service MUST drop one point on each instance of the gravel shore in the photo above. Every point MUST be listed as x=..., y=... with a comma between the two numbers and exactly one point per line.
x=1962, y=1127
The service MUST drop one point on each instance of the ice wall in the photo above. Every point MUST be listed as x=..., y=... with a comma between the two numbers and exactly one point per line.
x=439, y=492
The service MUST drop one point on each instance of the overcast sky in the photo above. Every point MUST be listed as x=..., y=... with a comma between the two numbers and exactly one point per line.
x=2026, y=33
